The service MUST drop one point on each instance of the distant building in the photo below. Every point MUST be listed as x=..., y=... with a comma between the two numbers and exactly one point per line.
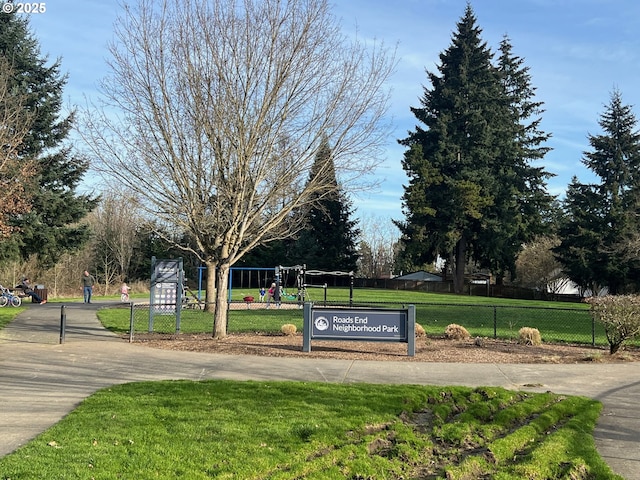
x=420, y=276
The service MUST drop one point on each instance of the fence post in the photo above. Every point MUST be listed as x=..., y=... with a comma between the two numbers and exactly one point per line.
x=495, y=322
x=593, y=330
x=63, y=323
x=131, y=322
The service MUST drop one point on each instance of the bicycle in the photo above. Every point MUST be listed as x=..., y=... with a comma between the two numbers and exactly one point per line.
x=7, y=297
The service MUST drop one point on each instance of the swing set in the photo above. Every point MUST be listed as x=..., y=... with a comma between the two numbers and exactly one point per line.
x=280, y=276
x=301, y=282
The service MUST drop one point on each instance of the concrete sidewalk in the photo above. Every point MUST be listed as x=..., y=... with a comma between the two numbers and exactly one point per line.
x=43, y=380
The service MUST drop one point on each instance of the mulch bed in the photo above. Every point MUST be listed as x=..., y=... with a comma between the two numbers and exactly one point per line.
x=428, y=349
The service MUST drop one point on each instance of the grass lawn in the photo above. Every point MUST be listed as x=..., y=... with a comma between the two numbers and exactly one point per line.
x=8, y=313
x=295, y=430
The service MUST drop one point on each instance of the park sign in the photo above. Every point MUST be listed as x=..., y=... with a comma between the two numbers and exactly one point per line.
x=167, y=281
x=359, y=324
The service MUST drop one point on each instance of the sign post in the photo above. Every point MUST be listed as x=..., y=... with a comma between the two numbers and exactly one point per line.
x=360, y=324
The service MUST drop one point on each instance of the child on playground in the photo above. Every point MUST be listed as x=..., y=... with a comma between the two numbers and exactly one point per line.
x=272, y=295
x=262, y=293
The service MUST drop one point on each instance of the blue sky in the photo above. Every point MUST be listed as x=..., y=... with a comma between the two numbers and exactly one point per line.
x=578, y=52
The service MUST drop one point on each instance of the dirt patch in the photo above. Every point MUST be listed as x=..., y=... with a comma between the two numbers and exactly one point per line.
x=430, y=349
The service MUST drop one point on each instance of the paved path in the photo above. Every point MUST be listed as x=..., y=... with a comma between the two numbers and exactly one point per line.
x=42, y=380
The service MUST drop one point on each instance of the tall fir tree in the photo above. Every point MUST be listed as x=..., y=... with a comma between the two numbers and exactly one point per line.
x=329, y=242
x=472, y=194
x=579, y=229
x=449, y=160
x=602, y=219
x=51, y=227
x=521, y=205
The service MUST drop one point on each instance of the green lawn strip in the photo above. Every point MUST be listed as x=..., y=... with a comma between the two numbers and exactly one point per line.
x=293, y=430
x=204, y=430
x=555, y=443
x=502, y=318
x=8, y=313
x=550, y=457
x=485, y=415
x=382, y=296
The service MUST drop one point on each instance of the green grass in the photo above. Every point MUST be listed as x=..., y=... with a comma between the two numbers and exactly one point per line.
x=8, y=313
x=481, y=316
x=368, y=295
x=295, y=430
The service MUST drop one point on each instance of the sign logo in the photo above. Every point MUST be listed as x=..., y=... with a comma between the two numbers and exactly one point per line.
x=321, y=323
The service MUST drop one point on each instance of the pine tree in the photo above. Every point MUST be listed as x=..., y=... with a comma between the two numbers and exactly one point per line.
x=329, y=242
x=51, y=227
x=602, y=219
x=580, y=228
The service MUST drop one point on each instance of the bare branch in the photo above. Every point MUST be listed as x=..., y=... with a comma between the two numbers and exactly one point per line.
x=15, y=172
x=215, y=109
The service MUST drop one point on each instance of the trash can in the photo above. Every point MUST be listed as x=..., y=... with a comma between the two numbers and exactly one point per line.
x=41, y=292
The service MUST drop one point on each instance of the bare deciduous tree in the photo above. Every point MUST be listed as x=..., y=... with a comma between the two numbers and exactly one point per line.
x=15, y=172
x=378, y=247
x=215, y=110
x=114, y=224
x=537, y=266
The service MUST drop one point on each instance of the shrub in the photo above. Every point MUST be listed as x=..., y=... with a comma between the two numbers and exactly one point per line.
x=288, y=329
x=619, y=315
x=456, y=332
x=420, y=330
x=529, y=336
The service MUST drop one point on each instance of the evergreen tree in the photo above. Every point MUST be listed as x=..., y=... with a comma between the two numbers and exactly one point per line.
x=473, y=195
x=449, y=161
x=329, y=242
x=521, y=203
x=580, y=228
x=51, y=227
x=602, y=219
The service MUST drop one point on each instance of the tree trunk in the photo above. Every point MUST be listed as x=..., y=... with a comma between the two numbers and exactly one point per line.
x=614, y=347
x=460, y=263
x=220, y=315
x=210, y=295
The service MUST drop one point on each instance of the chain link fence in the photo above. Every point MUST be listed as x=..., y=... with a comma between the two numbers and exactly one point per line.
x=564, y=325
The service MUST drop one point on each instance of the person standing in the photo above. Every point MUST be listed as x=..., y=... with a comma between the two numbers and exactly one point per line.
x=87, y=286
x=271, y=294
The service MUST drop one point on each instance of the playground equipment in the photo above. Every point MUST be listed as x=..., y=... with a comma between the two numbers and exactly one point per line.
x=334, y=273
x=282, y=277
x=255, y=277
x=302, y=285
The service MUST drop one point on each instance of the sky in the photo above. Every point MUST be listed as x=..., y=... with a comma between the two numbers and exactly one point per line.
x=578, y=53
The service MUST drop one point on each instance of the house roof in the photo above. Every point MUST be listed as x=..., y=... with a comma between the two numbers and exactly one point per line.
x=421, y=276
